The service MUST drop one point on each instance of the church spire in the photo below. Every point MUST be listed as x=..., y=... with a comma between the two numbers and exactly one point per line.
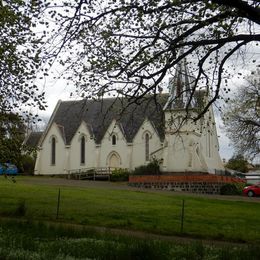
x=179, y=86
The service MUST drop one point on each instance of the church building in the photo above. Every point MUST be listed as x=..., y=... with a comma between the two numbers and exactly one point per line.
x=111, y=132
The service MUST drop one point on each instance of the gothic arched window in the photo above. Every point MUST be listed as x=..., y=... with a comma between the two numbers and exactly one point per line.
x=53, y=151
x=147, y=139
x=82, y=150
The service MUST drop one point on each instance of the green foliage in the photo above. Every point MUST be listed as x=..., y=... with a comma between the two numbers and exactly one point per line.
x=152, y=168
x=119, y=175
x=19, y=64
x=232, y=188
x=242, y=117
x=229, y=189
x=27, y=164
x=240, y=187
x=19, y=55
x=12, y=132
x=238, y=163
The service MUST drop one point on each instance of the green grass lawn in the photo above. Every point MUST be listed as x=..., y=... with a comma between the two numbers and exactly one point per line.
x=135, y=210
x=39, y=241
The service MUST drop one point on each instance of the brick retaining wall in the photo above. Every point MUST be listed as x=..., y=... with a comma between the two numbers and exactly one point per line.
x=206, y=183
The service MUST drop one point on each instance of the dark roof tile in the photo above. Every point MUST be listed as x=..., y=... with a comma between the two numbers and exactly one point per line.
x=98, y=115
x=33, y=139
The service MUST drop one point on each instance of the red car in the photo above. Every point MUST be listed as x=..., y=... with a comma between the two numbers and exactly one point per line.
x=251, y=191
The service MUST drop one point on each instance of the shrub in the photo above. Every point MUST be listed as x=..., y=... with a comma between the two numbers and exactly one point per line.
x=27, y=164
x=240, y=187
x=151, y=168
x=119, y=175
x=229, y=189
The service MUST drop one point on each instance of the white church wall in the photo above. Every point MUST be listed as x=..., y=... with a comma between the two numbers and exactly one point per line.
x=179, y=144
x=192, y=147
x=211, y=145
x=117, y=154
x=44, y=163
x=183, y=154
x=139, y=153
x=75, y=149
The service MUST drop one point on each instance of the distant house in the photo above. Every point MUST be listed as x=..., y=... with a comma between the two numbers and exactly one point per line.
x=88, y=134
x=253, y=176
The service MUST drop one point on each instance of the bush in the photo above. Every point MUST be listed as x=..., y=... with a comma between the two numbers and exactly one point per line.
x=151, y=168
x=27, y=164
x=230, y=189
x=119, y=175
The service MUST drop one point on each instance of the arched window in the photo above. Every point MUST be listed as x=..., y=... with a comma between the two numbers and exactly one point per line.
x=53, y=151
x=82, y=150
x=147, y=137
x=209, y=144
x=113, y=139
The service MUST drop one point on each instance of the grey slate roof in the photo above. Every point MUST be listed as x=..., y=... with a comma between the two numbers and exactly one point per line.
x=33, y=139
x=98, y=115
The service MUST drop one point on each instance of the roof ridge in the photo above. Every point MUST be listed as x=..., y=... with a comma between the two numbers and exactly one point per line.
x=98, y=117
x=113, y=98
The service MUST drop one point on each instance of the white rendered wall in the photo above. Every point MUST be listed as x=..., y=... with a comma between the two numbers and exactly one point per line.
x=192, y=147
x=75, y=149
x=43, y=164
x=211, y=144
x=138, y=155
x=107, y=149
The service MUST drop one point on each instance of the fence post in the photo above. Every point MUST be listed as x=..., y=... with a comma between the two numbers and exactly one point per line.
x=58, y=205
x=182, y=216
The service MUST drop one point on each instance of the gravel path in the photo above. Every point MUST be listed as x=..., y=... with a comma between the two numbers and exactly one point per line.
x=40, y=180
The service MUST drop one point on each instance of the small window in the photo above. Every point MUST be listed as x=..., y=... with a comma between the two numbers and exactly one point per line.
x=147, y=153
x=82, y=150
x=53, y=151
x=113, y=139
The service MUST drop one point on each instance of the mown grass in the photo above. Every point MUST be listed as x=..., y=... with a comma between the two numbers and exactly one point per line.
x=27, y=240
x=134, y=210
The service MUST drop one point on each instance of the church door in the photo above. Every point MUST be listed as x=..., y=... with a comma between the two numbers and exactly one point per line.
x=114, y=161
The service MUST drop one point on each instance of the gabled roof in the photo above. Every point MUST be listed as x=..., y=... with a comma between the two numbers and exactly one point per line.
x=33, y=139
x=98, y=115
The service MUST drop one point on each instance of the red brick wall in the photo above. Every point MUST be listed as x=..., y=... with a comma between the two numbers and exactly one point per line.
x=204, y=183
x=185, y=178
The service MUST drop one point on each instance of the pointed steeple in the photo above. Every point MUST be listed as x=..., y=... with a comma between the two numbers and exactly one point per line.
x=179, y=86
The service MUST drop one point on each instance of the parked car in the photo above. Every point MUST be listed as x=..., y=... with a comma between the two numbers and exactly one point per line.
x=252, y=190
x=8, y=168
